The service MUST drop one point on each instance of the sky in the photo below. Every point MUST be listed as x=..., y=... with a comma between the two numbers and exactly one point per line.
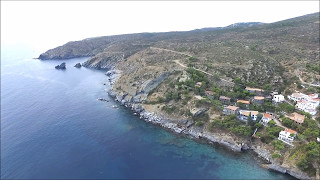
x=47, y=24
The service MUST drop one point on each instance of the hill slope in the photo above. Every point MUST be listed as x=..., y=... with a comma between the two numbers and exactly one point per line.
x=259, y=53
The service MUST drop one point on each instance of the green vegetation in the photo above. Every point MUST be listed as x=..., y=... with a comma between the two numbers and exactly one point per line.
x=285, y=107
x=275, y=155
x=232, y=124
x=310, y=157
x=277, y=144
x=313, y=67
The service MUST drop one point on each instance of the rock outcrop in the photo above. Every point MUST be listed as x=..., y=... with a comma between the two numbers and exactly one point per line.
x=61, y=66
x=78, y=65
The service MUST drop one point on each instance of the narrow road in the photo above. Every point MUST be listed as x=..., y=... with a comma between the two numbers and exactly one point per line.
x=303, y=82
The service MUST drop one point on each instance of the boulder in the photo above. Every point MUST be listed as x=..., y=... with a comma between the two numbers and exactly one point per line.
x=61, y=66
x=78, y=65
x=201, y=111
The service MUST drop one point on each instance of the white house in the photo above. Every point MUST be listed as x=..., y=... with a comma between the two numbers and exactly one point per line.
x=287, y=136
x=307, y=106
x=306, y=103
x=278, y=98
x=266, y=118
x=297, y=96
x=244, y=115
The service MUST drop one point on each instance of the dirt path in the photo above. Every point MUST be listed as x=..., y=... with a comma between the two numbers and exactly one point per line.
x=182, y=65
x=168, y=50
x=302, y=81
x=179, y=63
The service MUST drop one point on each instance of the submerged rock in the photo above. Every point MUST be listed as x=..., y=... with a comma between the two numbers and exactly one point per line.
x=61, y=66
x=78, y=65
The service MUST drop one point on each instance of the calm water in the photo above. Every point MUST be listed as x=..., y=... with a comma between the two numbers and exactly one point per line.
x=52, y=126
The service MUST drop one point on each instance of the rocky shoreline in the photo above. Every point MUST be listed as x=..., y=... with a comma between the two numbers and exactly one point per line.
x=185, y=127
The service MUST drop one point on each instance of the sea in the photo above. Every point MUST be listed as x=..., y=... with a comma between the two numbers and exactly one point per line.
x=53, y=127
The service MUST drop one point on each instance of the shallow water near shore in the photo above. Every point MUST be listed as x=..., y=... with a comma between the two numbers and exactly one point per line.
x=53, y=126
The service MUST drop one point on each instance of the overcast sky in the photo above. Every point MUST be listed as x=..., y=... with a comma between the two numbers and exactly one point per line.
x=49, y=24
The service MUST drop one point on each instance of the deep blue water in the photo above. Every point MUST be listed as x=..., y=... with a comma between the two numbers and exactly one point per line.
x=52, y=126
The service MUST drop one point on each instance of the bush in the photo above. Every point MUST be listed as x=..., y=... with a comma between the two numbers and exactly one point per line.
x=303, y=164
x=199, y=123
x=276, y=156
x=278, y=145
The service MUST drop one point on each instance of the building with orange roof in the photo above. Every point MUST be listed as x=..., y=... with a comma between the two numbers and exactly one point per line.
x=287, y=136
x=244, y=115
x=229, y=110
x=257, y=91
x=297, y=96
x=297, y=118
x=258, y=100
x=309, y=106
x=224, y=100
x=244, y=102
x=266, y=118
x=209, y=94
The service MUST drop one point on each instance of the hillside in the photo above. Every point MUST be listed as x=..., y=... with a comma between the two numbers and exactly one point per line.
x=259, y=53
x=179, y=76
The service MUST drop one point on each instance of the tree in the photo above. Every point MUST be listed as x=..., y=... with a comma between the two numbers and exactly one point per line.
x=237, y=80
x=271, y=123
x=303, y=163
x=267, y=88
x=259, y=117
x=250, y=121
x=277, y=144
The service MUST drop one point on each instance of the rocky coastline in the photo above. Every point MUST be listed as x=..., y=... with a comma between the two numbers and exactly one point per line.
x=186, y=128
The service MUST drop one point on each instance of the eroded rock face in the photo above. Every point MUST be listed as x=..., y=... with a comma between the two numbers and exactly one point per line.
x=61, y=66
x=277, y=168
x=78, y=65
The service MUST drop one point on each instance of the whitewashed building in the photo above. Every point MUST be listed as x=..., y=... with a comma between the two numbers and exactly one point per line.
x=278, y=98
x=287, y=136
x=266, y=118
x=306, y=103
x=244, y=115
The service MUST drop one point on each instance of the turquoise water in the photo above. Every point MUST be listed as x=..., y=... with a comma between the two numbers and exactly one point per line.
x=52, y=126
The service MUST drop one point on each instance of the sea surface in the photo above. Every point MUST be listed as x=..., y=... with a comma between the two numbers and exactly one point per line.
x=53, y=126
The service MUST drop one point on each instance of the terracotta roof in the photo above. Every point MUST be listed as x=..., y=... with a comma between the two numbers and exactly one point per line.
x=233, y=107
x=296, y=95
x=253, y=89
x=312, y=95
x=243, y=101
x=297, y=117
x=290, y=131
x=258, y=97
x=224, y=97
x=247, y=113
x=315, y=99
x=267, y=116
x=255, y=112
